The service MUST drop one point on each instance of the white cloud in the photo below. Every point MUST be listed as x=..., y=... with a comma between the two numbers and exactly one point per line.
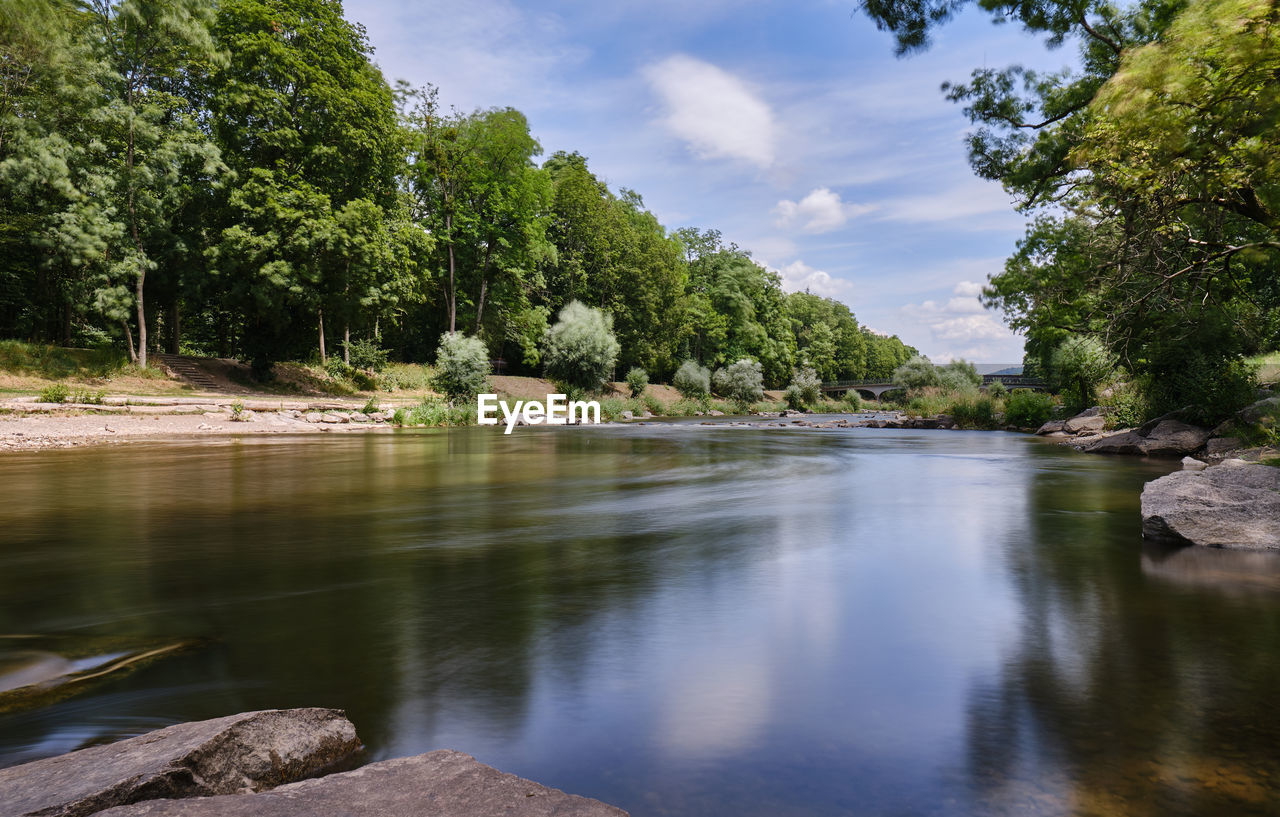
x=800, y=277
x=819, y=212
x=717, y=114
x=963, y=328
x=968, y=289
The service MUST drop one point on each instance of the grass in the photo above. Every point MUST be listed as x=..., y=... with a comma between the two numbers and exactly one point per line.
x=1268, y=366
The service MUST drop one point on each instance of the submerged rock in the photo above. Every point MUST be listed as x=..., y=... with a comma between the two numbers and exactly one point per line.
x=437, y=784
x=1235, y=504
x=240, y=753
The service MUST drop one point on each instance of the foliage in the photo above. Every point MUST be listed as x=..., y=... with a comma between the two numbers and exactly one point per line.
x=462, y=367
x=637, y=381
x=371, y=406
x=367, y=355
x=915, y=374
x=959, y=375
x=741, y=382
x=1205, y=386
x=997, y=390
x=580, y=348
x=434, y=413
x=1127, y=406
x=852, y=401
x=1079, y=365
x=92, y=397
x=972, y=410
x=57, y=393
x=1028, y=409
x=692, y=381
x=805, y=388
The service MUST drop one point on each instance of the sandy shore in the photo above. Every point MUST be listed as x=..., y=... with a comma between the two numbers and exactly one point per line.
x=26, y=425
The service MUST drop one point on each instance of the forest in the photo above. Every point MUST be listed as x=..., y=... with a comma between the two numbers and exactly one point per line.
x=238, y=179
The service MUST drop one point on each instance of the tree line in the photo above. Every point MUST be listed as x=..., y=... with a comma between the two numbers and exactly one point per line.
x=238, y=179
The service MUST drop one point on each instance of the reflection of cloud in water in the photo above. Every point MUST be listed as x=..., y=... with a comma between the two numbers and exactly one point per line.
x=718, y=705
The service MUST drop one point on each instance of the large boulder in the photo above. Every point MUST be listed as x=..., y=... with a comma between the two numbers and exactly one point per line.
x=437, y=784
x=1168, y=438
x=1088, y=420
x=1235, y=504
x=1254, y=413
x=239, y=753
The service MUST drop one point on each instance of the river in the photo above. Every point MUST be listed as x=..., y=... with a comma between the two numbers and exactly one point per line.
x=675, y=619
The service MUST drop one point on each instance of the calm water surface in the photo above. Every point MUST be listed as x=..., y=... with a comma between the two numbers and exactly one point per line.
x=679, y=620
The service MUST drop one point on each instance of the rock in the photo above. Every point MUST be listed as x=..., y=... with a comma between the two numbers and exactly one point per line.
x=646, y=415
x=359, y=417
x=1218, y=446
x=1234, y=504
x=1169, y=438
x=1193, y=464
x=314, y=417
x=718, y=413
x=1254, y=413
x=438, y=784
x=1052, y=427
x=926, y=422
x=1087, y=420
x=331, y=417
x=240, y=753
x=627, y=415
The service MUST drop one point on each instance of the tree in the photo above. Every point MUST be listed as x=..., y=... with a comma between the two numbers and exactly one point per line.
x=742, y=382
x=915, y=374
x=637, y=381
x=959, y=375
x=805, y=388
x=581, y=349
x=692, y=381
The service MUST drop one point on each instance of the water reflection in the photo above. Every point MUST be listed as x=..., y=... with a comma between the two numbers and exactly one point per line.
x=680, y=620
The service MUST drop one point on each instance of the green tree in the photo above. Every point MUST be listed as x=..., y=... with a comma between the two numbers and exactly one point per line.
x=462, y=367
x=1079, y=366
x=741, y=381
x=915, y=374
x=581, y=349
x=692, y=381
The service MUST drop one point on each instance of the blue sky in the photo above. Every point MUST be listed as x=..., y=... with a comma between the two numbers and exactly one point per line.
x=789, y=126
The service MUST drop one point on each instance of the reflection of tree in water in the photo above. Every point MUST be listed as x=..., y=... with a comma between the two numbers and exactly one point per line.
x=402, y=580
x=1125, y=694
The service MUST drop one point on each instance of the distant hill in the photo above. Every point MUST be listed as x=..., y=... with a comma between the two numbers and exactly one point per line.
x=998, y=368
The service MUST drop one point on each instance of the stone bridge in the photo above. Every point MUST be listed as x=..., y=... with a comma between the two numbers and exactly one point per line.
x=875, y=389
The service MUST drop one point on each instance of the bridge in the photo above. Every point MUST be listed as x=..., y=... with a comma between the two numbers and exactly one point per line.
x=876, y=388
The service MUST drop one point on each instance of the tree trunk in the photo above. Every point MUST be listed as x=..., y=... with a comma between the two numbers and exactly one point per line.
x=175, y=327
x=452, y=295
x=66, y=324
x=346, y=344
x=484, y=284
x=142, y=322
x=128, y=339
x=323, y=358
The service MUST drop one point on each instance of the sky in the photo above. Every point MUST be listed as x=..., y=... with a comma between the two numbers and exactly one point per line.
x=791, y=127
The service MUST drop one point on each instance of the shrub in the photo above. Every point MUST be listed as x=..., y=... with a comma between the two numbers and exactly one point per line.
x=433, y=412
x=653, y=404
x=1027, y=409
x=405, y=376
x=692, y=381
x=580, y=349
x=741, y=382
x=57, y=393
x=462, y=367
x=808, y=386
x=997, y=390
x=370, y=407
x=1080, y=364
x=794, y=395
x=917, y=373
x=973, y=411
x=93, y=398
x=959, y=375
x=1127, y=406
x=637, y=381
x=1212, y=386
x=337, y=368
x=852, y=400
x=237, y=411
x=366, y=354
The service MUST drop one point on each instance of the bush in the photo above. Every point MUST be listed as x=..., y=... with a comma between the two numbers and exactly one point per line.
x=432, y=412
x=405, y=376
x=852, y=400
x=637, y=381
x=580, y=349
x=1211, y=386
x=959, y=375
x=87, y=396
x=741, y=382
x=366, y=354
x=973, y=411
x=336, y=368
x=1027, y=409
x=462, y=367
x=692, y=381
x=794, y=396
x=997, y=390
x=808, y=386
x=917, y=373
x=1127, y=407
x=1081, y=364
x=57, y=393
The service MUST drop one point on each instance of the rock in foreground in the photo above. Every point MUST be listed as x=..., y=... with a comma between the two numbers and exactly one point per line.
x=1233, y=505
x=240, y=753
x=437, y=784
x=1168, y=438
